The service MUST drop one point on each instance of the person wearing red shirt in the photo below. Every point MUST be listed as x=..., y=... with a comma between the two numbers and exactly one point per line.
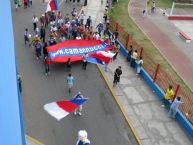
x=47, y=63
x=25, y=3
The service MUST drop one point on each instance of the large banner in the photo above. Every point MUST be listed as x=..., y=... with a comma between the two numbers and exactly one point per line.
x=74, y=49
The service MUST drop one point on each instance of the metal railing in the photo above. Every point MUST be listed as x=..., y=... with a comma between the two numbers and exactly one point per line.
x=159, y=75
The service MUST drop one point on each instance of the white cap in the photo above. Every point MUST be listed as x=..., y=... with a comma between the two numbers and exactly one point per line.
x=82, y=133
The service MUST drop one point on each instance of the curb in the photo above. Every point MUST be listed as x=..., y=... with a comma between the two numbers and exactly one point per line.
x=33, y=140
x=120, y=107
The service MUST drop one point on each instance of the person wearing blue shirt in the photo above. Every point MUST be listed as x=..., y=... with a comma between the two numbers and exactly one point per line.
x=79, y=109
x=82, y=138
x=174, y=107
x=70, y=80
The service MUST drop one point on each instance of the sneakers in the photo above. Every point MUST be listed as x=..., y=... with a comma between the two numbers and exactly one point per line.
x=79, y=113
x=163, y=106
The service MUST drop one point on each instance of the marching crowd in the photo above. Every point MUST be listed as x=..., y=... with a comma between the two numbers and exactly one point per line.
x=54, y=27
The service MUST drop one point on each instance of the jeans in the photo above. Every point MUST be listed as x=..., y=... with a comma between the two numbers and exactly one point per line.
x=172, y=112
x=133, y=62
x=138, y=68
x=47, y=68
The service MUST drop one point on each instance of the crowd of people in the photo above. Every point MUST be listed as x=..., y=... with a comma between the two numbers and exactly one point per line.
x=22, y=3
x=53, y=27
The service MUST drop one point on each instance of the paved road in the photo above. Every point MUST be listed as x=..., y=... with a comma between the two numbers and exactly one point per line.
x=101, y=116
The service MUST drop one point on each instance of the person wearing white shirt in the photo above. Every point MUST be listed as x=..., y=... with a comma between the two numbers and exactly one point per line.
x=97, y=36
x=139, y=65
x=35, y=21
x=174, y=107
x=60, y=21
x=82, y=138
x=78, y=37
x=82, y=17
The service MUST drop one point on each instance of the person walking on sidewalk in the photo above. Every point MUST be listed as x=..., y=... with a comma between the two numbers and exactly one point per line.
x=133, y=59
x=70, y=81
x=174, y=107
x=168, y=96
x=130, y=52
x=139, y=65
x=117, y=75
x=79, y=109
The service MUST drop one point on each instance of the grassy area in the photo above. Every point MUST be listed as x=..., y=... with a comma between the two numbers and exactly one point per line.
x=168, y=4
x=120, y=14
x=164, y=3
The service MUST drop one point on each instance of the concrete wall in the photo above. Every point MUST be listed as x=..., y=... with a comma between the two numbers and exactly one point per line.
x=160, y=93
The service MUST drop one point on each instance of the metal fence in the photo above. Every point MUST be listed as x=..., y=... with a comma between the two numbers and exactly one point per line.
x=159, y=75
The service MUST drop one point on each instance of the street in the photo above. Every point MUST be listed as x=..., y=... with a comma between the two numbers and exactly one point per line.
x=101, y=117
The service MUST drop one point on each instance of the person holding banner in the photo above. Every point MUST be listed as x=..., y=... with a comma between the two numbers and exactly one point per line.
x=84, y=61
x=47, y=63
x=69, y=65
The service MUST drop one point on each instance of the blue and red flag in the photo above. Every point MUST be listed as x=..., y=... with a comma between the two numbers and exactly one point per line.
x=52, y=5
x=100, y=57
x=74, y=49
x=60, y=109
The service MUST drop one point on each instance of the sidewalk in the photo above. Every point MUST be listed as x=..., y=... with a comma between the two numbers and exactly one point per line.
x=143, y=108
x=172, y=51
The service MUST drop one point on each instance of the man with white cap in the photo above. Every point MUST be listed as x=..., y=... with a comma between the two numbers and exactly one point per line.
x=79, y=109
x=82, y=138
